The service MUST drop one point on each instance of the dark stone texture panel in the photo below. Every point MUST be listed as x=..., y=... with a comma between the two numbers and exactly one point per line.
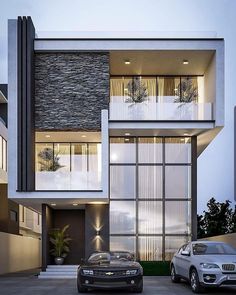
x=71, y=89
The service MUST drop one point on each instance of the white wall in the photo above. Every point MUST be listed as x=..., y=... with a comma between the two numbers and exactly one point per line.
x=18, y=253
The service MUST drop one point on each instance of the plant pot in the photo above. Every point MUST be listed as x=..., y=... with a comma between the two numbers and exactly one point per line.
x=59, y=260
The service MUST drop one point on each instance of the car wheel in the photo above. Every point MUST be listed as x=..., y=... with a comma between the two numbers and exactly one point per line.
x=81, y=289
x=139, y=288
x=174, y=277
x=194, y=282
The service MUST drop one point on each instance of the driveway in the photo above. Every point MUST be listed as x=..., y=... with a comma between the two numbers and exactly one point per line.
x=29, y=284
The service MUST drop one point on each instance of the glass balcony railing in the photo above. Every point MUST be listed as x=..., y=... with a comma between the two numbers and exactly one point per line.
x=158, y=111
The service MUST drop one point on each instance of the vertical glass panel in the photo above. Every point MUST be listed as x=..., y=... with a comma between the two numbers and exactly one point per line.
x=122, y=182
x=150, y=182
x=116, y=89
x=149, y=150
x=94, y=165
x=178, y=150
x=122, y=217
x=168, y=89
x=188, y=89
x=177, y=182
x=61, y=157
x=178, y=217
x=122, y=150
x=149, y=217
x=172, y=244
x=122, y=243
x=150, y=85
x=79, y=157
x=4, y=154
x=150, y=248
x=1, y=140
x=44, y=157
x=127, y=88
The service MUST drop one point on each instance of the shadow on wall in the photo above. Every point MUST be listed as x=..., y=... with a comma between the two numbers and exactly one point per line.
x=19, y=253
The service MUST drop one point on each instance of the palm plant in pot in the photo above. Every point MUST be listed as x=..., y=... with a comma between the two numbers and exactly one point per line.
x=60, y=244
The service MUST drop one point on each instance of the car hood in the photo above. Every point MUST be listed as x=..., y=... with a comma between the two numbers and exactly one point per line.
x=216, y=258
x=112, y=264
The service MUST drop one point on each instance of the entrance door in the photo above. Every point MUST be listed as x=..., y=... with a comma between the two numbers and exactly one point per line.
x=76, y=231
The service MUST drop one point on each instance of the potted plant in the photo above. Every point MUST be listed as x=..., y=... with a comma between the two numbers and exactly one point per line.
x=60, y=244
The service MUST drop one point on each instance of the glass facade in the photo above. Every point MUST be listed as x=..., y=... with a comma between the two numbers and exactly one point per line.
x=3, y=154
x=150, y=195
x=158, y=98
x=68, y=166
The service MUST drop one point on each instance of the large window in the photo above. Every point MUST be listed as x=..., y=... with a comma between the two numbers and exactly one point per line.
x=68, y=166
x=3, y=154
x=150, y=195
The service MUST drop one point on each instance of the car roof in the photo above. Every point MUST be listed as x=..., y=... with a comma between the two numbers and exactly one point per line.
x=207, y=242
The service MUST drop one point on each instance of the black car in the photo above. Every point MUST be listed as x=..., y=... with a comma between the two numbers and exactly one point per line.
x=110, y=270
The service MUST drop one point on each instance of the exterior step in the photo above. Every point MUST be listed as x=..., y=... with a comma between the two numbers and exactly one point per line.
x=59, y=272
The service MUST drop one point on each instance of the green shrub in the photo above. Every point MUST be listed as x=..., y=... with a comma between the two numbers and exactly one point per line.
x=156, y=268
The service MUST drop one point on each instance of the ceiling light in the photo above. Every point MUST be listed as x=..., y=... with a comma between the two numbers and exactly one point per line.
x=186, y=134
x=83, y=136
x=127, y=134
x=53, y=204
x=75, y=204
x=47, y=135
x=185, y=62
x=127, y=62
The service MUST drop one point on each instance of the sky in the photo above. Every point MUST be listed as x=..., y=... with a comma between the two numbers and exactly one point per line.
x=216, y=163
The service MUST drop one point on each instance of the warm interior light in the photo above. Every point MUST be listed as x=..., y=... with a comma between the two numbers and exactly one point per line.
x=53, y=204
x=127, y=134
x=185, y=62
x=126, y=139
x=127, y=62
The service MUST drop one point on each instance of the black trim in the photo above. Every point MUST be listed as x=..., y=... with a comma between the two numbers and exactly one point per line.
x=25, y=104
x=129, y=39
x=161, y=121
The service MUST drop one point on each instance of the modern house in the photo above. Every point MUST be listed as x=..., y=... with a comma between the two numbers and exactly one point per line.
x=104, y=135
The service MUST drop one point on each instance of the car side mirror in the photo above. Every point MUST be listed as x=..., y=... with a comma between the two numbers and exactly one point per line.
x=185, y=253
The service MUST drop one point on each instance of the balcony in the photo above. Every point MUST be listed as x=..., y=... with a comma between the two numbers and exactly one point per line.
x=158, y=111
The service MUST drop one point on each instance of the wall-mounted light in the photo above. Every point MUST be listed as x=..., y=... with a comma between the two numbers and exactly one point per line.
x=185, y=62
x=127, y=62
x=98, y=233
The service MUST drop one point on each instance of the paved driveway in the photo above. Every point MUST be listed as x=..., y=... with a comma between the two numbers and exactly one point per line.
x=28, y=284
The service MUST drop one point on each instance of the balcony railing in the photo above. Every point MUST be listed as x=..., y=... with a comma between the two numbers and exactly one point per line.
x=158, y=111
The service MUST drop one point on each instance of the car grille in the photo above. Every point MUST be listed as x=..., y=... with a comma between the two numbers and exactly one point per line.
x=109, y=273
x=228, y=267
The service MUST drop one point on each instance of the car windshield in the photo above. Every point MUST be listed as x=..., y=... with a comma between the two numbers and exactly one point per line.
x=213, y=249
x=108, y=256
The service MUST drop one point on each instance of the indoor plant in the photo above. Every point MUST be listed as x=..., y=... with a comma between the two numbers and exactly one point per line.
x=60, y=244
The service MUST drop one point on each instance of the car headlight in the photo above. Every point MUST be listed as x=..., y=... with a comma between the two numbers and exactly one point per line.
x=88, y=272
x=131, y=272
x=209, y=265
